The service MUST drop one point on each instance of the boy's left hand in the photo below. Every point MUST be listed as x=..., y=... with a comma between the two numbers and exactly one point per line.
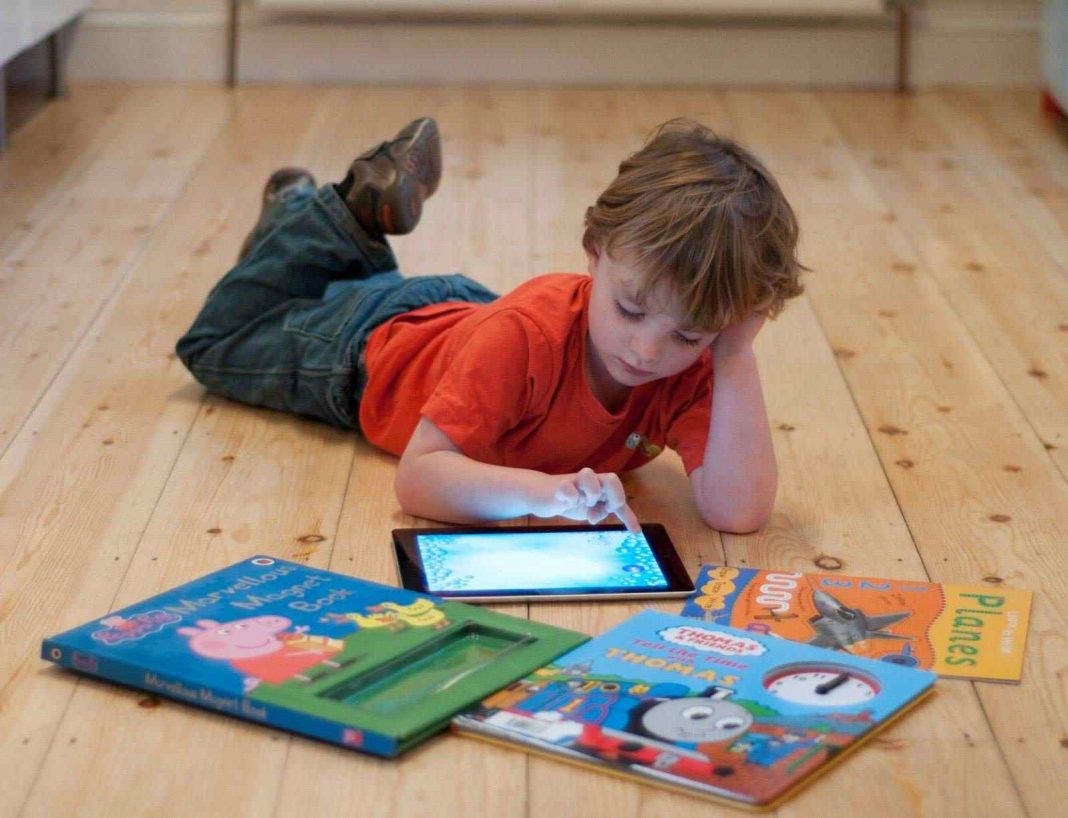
x=738, y=337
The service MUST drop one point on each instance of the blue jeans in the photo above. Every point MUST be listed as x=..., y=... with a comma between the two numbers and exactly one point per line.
x=287, y=327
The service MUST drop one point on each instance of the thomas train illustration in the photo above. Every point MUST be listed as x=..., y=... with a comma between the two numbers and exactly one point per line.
x=669, y=729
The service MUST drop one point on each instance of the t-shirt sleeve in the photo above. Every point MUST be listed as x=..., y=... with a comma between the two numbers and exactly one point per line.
x=491, y=383
x=690, y=412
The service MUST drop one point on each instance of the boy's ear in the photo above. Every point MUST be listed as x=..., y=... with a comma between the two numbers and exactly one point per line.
x=593, y=255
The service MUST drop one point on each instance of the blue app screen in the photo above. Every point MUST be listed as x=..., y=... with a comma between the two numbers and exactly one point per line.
x=538, y=561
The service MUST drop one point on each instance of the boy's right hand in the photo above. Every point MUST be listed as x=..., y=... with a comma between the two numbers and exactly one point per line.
x=589, y=496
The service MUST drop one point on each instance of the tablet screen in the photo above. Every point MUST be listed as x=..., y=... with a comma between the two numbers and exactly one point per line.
x=538, y=560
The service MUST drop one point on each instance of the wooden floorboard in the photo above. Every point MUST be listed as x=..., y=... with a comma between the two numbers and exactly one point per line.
x=43, y=155
x=978, y=232
x=1033, y=182
x=78, y=252
x=914, y=437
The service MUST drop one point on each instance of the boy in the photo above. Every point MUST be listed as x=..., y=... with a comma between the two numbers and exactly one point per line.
x=530, y=403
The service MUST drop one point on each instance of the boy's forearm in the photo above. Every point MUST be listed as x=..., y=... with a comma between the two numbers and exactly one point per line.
x=451, y=487
x=735, y=488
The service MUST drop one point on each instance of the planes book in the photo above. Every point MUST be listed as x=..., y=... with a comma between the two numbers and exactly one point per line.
x=699, y=707
x=351, y=662
x=954, y=630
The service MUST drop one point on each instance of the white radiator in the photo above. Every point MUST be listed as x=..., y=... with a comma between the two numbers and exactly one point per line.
x=733, y=8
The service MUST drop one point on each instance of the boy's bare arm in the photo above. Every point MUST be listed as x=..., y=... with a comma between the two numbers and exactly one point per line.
x=735, y=487
x=436, y=480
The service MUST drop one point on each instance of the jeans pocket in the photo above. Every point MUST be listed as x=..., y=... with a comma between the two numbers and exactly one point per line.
x=323, y=320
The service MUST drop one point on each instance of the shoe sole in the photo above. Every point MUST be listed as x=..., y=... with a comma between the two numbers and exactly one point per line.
x=425, y=167
x=417, y=173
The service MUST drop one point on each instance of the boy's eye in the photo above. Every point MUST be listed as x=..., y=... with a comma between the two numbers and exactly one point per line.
x=690, y=342
x=636, y=315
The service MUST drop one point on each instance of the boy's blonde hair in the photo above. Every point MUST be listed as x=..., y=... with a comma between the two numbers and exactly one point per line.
x=702, y=214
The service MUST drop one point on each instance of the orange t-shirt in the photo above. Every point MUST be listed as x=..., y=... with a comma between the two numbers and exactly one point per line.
x=505, y=383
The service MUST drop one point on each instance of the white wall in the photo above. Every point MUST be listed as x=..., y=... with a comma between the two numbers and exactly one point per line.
x=955, y=42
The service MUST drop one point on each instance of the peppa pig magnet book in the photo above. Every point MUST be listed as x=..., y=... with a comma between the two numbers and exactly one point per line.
x=705, y=709
x=362, y=665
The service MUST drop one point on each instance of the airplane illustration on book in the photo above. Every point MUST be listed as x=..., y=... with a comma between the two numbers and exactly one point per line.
x=839, y=626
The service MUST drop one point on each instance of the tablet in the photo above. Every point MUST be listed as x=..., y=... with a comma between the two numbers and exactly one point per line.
x=540, y=563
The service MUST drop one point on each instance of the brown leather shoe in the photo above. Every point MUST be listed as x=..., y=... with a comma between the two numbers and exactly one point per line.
x=385, y=187
x=280, y=182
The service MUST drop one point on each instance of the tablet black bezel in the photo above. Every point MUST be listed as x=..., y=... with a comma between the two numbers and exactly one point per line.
x=413, y=578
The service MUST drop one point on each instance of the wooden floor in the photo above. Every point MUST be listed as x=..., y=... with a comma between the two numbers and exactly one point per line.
x=918, y=396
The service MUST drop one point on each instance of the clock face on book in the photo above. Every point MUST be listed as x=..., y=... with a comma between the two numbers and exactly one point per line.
x=821, y=684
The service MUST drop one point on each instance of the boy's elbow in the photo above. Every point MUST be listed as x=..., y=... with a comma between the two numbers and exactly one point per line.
x=405, y=502
x=739, y=517
x=737, y=523
x=406, y=488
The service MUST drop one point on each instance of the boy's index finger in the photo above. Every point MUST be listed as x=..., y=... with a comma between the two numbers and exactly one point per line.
x=627, y=516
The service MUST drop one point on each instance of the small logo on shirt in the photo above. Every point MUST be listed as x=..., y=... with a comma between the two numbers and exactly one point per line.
x=636, y=441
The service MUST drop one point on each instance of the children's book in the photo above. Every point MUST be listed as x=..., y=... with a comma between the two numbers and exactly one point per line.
x=702, y=708
x=355, y=663
x=954, y=630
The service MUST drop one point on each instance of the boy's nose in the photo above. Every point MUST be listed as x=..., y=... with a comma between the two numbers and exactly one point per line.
x=647, y=350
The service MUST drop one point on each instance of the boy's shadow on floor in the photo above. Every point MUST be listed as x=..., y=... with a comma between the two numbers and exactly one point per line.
x=188, y=392
x=209, y=402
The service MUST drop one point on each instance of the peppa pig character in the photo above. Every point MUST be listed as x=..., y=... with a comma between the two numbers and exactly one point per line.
x=261, y=648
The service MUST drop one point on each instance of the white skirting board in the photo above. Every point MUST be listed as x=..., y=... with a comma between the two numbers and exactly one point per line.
x=747, y=8
x=1055, y=50
x=996, y=44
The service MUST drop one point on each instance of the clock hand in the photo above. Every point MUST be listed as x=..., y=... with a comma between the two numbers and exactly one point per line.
x=828, y=686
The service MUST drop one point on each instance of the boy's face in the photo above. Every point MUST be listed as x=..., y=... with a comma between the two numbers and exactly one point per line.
x=637, y=342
